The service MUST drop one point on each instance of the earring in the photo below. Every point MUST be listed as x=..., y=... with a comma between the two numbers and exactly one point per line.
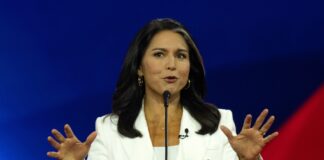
x=140, y=81
x=188, y=84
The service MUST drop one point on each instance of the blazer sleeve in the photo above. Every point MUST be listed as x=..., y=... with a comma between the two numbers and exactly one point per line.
x=227, y=120
x=99, y=149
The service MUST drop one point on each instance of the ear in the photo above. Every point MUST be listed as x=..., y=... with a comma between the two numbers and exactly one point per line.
x=140, y=71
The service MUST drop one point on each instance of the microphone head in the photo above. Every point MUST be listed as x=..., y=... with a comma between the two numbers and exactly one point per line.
x=166, y=94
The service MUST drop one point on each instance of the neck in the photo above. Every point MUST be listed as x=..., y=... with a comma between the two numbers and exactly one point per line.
x=154, y=107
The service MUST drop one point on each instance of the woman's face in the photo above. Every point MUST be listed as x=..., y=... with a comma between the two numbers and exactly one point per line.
x=165, y=64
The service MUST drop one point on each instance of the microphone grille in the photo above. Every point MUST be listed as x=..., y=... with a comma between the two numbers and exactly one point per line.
x=166, y=94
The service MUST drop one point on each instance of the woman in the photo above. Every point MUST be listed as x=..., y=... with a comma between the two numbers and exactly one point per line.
x=163, y=57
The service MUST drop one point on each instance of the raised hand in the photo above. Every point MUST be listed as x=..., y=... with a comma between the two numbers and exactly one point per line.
x=69, y=147
x=249, y=143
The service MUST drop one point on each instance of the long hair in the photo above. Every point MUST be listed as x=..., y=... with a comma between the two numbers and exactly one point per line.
x=127, y=99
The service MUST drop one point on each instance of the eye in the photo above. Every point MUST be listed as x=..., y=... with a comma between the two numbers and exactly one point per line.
x=158, y=54
x=182, y=55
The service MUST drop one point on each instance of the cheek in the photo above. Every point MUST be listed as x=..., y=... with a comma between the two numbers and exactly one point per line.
x=184, y=72
x=151, y=68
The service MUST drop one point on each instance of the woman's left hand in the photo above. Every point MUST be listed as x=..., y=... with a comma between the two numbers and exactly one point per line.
x=249, y=143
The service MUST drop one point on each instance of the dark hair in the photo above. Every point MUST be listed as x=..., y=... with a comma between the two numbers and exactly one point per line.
x=127, y=99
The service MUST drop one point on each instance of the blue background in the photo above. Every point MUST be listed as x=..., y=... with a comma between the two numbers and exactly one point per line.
x=59, y=60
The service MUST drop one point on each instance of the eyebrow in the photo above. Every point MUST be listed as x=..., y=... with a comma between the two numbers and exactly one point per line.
x=163, y=49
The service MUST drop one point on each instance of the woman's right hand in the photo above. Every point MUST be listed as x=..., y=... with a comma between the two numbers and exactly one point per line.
x=69, y=147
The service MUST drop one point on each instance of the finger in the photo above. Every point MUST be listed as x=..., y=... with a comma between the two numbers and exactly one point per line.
x=58, y=135
x=260, y=119
x=267, y=125
x=54, y=155
x=271, y=137
x=91, y=138
x=53, y=142
x=247, y=122
x=227, y=132
x=68, y=131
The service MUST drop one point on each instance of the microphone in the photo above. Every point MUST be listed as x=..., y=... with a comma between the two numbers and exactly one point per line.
x=166, y=96
x=181, y=136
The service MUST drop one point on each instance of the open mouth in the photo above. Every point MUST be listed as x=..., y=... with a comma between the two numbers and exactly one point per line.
x=170, y=79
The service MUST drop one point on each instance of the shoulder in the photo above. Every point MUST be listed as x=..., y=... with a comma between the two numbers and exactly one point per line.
x=224, y=111
x=218, y=139
x=106, y=128
x=226, y=114
x=107, y=123
x=227, y=118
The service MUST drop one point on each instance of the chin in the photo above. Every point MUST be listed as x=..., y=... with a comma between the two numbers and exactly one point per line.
x=173, y=91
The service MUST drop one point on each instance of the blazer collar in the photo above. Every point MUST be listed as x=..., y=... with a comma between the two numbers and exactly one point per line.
x=191, y=147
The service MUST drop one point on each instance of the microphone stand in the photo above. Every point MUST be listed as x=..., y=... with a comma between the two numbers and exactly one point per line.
x=166, y=132
x=166, y=96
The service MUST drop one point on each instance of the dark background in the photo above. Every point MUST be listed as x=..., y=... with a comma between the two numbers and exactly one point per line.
x=59, y=60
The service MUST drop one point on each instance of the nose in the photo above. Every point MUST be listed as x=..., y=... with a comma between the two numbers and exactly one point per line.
x=171, y=63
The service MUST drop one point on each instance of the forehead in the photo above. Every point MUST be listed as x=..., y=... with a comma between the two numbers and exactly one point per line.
x=168, y=39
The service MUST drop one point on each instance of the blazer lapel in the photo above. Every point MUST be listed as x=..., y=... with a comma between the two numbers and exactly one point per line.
x=194, y=146
x=140, y=147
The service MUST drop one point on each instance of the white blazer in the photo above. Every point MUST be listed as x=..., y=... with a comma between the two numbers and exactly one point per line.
x=110, y=145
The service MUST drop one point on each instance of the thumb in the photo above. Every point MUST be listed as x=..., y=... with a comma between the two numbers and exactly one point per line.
x=227, y=132
x=91, y=138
